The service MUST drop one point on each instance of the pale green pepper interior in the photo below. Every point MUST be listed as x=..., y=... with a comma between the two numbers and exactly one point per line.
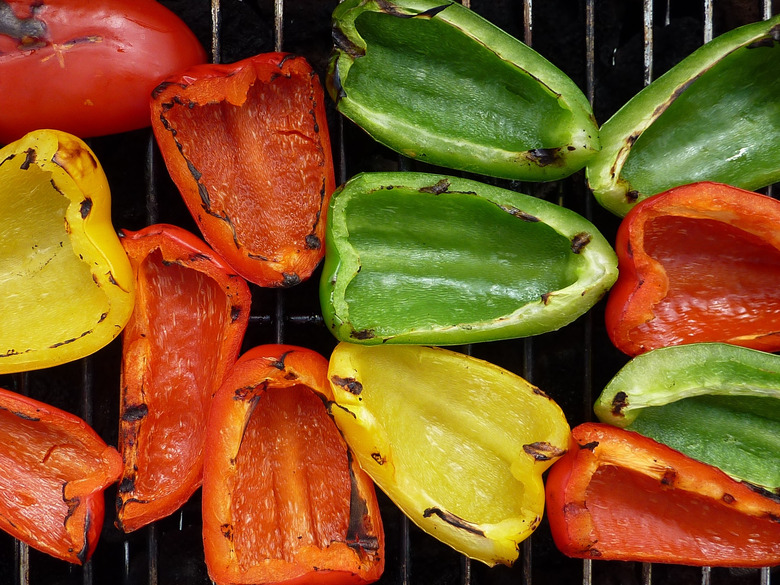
x=723, y=128
x=738, y=434
x=47, y=293
x=429, y=260
x=440, y=79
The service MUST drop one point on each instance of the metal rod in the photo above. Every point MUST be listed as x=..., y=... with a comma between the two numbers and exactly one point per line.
x=278, y=24
x=528, y=22
x=216, y=25
x=590, y=51
x=706, y=573
x=708, y=27
x=647, y=15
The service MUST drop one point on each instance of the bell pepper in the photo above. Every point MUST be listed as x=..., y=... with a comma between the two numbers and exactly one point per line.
x=67, y=289
x=436, y=82
x=284, y=501
x=185, y=333
x=54, y=471
x=247, y=144
x=617, y=495
x=86, y=67
x=698, y=263
x=715, y=402
x=432, y=259
x=712, y=117
x=457, y=443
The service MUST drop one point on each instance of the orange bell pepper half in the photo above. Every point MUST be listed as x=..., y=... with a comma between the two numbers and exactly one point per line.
x=617, y=495
x=283, y=500
x=247, y=144
x=185, y=332
x=54, y=469
x=697, y=263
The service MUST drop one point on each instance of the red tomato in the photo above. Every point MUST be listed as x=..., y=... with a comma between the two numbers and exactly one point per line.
x=86, y=67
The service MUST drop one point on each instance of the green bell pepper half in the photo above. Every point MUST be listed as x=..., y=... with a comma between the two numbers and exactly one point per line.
x=715, y=116
x=439, y=260
x=434, y=81
x=715, y=402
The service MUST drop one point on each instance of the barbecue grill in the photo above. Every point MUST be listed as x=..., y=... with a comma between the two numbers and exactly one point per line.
x=611, y=49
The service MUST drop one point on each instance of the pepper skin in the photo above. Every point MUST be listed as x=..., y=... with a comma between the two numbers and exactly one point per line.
x=457, y=443
x=247, y=144
x=67, y=289
x=716, y=402
x=617, y=495
x=184, y=335
x=698, y=263
x=86, y=67
x=712, y=117
x=283, y=499
x=432, y=259
x=52, y=477
x=436, y=82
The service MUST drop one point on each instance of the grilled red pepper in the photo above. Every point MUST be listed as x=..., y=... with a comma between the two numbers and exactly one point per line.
x=283, y=500
x=617, y=495
x=697, y=263
x=247, y=144
x=53, y=471
x=184, y=334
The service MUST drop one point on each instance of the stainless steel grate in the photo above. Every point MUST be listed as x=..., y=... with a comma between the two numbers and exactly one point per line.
x=611, y=48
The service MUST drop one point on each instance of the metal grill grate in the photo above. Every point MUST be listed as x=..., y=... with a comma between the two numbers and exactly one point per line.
x=611, y=48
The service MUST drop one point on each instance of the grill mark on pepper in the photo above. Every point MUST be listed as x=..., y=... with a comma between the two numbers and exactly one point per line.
x=519, y=213
x=290, y=279
x=392, y=10
x=669, y=478
x=440, y=187
x=330, y=406
x=22, y=415
x=545, y=156
x=772, y=495
x=619, y=402
x=452, y=520
x=85, y=208
x=590, y=446
x=358, y=538
x=227, y=531
x=279, y=364
x=25, y=31
x=351, y=385
x=363, y=334
x=127, y=485
x=543, y=451
x=728, y=498
x=71, y=340
x=82, y=554
x=312, y=242
x=538, y=391
x=29, y=158
x=579, y=241
x=135, y=413
x=379, y=458
x=235, y=313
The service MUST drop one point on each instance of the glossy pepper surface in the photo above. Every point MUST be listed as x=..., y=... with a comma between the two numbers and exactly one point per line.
x=698, y=263
x=54, y=470
x=617, y=495
x=86, y=67
x=437, y=82
x=247, y=144
x=712, y=117
x=716, y=402
x=459, y=444
x=67, y=287
x=184, y=335
x=421, y=258
x=283, y=499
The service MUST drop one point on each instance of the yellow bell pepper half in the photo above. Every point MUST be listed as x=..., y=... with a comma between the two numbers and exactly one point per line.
x=457, y=443
x=66, y=286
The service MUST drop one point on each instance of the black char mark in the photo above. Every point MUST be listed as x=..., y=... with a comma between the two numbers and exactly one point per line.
x=452, y=520
x=359, y=536
x=390, y=8
x=440, y=187
x=351, y=385
x=544, y=156
x=519, y=213
x=22, y=30
x=135, y=413
x=543, y=451
x=363, y=334
x=579, y=241
x=289, y=279
x=279, y=364
x=619, y=402
x=313, y=242
x=86, y=207
x=29, y=158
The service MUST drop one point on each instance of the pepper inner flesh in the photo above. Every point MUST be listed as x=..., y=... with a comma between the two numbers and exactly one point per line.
x=630, y=510
x=36, y=461
x=262, y=163
x=723, y=282
x=293, y=487
x=49, y=296
x=187, y=314
x=451, y=84
x=447, y=259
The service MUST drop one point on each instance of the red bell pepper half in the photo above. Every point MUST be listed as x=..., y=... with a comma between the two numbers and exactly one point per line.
x=247, y=144
x=698, y=263
x=185, y=332
x=283, y=500
x=617, y=495
x=53, y=471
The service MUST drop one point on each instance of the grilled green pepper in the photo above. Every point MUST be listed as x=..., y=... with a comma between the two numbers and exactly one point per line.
x=431, y=259
x=434, y=81
x=715, y=402
x=458, y=443
x=715, y=116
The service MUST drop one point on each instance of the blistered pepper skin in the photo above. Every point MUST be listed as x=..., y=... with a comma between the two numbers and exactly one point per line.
x=433, y=259
x=436, y=82
x=69, y=287
x=712, y=117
